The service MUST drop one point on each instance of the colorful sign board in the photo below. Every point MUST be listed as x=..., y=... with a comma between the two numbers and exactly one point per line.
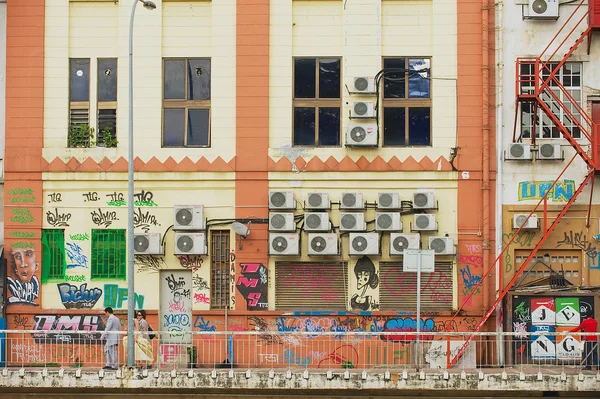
x=567, y=311
x=542, y=346
x=542, y=311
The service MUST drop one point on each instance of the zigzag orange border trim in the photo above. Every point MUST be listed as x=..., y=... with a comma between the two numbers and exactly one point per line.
x=314, y=164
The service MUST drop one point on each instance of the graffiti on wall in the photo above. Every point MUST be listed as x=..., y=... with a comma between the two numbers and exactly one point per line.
x=115, y=297
x=176, y=304
x=103, y=218
x=144, y=220
x=578, y=240
x=24, y=285
x=83, y=297
x=366, y=278
x=523, y=239
x=58, y=219
x=143, y=198
x=252, y=284
x=536, y=190
x=75, y=255
x=149, y=263
x=191, y=262
x=61, y=328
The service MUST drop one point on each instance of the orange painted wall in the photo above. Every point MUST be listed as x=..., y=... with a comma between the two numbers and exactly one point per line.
x=252, y=127
x=471, y=217
x=23, y=155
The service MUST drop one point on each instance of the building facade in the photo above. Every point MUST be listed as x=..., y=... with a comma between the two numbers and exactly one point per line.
x=251, y=112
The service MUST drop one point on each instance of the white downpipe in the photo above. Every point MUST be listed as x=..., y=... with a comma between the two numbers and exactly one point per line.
x=499, y=165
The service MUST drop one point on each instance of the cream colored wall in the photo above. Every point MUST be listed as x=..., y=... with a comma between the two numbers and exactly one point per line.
x=362, y=33
x=214, y=191
x=369, y=184
x=175, y=29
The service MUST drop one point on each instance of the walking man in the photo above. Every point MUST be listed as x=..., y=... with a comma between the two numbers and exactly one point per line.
x=590, y=349
x=112, y=340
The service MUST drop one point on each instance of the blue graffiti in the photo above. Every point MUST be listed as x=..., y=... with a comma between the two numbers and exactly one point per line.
x=469, y=280
x=78, y=298
x=203, y=325
x=281, y=327
x=289, y=357
x=76, y=256
x=594, y=261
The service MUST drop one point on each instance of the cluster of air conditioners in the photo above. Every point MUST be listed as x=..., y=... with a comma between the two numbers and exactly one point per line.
x=525, y=152
x=284, y=240
x=189, y=225
x=359, y=133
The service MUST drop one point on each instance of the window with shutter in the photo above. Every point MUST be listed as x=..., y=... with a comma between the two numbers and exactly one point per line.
x=311, y=286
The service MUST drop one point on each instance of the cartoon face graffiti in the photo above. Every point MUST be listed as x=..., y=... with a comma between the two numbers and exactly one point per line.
x=24, y=263
x=366, y=276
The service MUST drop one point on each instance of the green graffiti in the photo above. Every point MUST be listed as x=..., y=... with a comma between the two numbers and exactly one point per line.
x=145, y=203
x=79, y=237
x=22, y=244
x=75, y=279
x=117, y=203
x=22, y=234
x=523, y=239
x=21, y=215
x=20, y=191
x=21, y=195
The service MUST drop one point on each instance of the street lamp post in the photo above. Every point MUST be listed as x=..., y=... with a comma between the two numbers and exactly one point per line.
x=130, y=205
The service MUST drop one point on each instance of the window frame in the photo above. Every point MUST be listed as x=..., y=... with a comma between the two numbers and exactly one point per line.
x=185, y=104
x=80, y=105
x=316, y=102
x=406, y=103
x=224, y=284
x=122, y=268
x=49, y=268
x=106, y=105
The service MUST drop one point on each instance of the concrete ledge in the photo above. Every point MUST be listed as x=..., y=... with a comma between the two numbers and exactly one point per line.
x=230, y=381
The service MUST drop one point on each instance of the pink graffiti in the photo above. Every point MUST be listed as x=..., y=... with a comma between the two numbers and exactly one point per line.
x=201, y=298
x=177, y=307
x=473, y=248
x=473, y=260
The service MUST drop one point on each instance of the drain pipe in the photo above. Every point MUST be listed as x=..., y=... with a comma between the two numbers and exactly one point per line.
x=485, y=122
x=499, y=175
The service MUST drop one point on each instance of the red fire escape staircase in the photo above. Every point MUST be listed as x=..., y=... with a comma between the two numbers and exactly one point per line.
x=538, y=85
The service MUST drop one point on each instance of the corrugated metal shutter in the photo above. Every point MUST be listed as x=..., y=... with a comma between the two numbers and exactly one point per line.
x=311, y=286
x=398, y=290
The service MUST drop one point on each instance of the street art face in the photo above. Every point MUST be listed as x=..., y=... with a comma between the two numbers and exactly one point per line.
x=366, y=276
x=25, y=286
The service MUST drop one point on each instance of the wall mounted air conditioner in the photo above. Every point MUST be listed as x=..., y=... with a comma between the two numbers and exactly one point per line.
x=281, y=221
x=362, y=109
x=442, y=245
x=363, y=135
x=550, y=151
x=352, y=201
x=520, y=219
x=316, y=221
x=424, y=222
x=424, y=199
x=190, y=244
x=518, y=152
x=147, y=244
x=363, y=244
x=352, y=221
x=363, y=85
x=281, y=244
x=281, y=200
x=323, y=244
x=543, y=9
x=188, y=217
x=388, y=221
x=388, y=201
x=400, y=241
x=317, y=201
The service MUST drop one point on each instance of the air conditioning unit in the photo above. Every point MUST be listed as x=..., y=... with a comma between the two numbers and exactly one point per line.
x=424, y=199
x=284, y=244
x=281, y=200
x=352, y=201
x=424, y=222
x=363, y=135
x=363, y=85
x=147, y=244
x=399, y=242
x=352, y=221
x=317, y=201
x=281, y=221
x=190, y=244
x=323, y=244
x=550, y=151
x=442, y=245
x=364, y=244
x=316, y=221
x=189, y=217
x=519, y=151
x=388, y=221
x=520, y=219
x=543, y=9
x=362, y=109
x=388, y=201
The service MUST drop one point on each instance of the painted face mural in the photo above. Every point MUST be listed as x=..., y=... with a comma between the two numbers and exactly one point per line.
x=366, y=276
x=25, y=286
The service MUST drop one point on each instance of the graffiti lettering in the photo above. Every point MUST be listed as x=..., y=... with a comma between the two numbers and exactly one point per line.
x=23, y=244
x=21, y=196
x=176, y=320
x=114, y=296
x=54, y=197
x=60, y=328
x=201, y=298
x=78, y=298
x=80, y=237
x=578, y=240
x=535, y=190
x=21, y=215
x=190, y=262
x=75, y=255
x=252, y=284
x=28, y=353
x=23, y=292
x=75, y=279
x=22, y=234
x=144, y=198
x=21, y=321
x=175, y=285
x=105, y=219
x=199, y=283
x=91, y=196
x=57, y=219
x=144, y=220
x=149, y=263
x=289, y=357
x=521, y=312
x=523, y=239
x=116, y=199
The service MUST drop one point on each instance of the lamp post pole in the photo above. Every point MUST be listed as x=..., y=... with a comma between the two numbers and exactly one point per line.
x=130, y=205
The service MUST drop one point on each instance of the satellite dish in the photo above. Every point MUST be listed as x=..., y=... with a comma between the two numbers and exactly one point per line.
x=240, y=229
